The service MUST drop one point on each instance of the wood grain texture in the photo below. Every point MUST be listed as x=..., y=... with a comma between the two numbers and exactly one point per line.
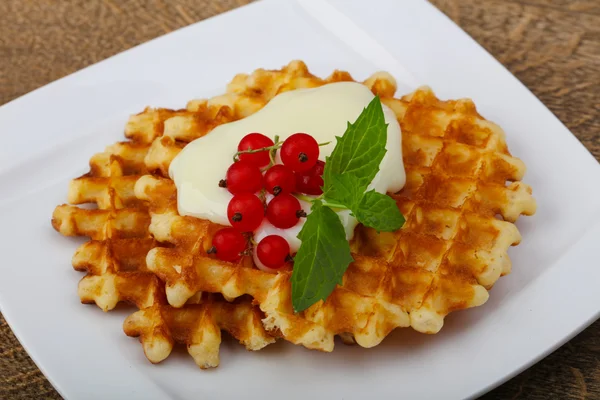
x=552, y=46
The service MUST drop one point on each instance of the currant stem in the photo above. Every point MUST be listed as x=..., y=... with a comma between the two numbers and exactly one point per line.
x=247, y=252
x=270, y=149
x=326, y=203
x=273, y=153
x=332, y=204
x=306, y=198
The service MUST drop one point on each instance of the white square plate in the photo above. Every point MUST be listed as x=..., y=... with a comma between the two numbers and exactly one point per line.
x=49, y=135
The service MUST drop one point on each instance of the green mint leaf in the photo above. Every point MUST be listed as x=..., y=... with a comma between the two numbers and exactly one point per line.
x=360, y=151
x=347, y=191
x=379, y=212
x=372, y=209
x=322, y=258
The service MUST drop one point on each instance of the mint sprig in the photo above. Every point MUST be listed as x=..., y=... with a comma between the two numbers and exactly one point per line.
x=372, y=209
x=359, y=151
x=322, y=258
x=378, y=211
x=324, y=255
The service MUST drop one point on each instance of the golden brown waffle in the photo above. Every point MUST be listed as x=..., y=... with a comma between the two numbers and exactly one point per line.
x=459, y=213
x=458, y=207
x=198, y=326
x=115, y=258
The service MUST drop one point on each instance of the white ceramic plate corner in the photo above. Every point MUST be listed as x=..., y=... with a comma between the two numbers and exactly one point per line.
x=550, y=295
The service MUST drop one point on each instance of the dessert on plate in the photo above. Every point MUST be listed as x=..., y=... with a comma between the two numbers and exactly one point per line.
x=299, y=208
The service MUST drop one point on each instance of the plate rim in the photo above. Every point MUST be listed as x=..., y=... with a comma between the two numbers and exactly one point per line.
x=594, y=226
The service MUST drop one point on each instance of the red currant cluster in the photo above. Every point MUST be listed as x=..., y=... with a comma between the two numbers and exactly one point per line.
x=301, y=172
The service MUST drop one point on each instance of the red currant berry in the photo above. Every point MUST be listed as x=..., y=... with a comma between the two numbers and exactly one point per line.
x=311, y=181
x=273, y=251
x=243, y=177
x=227, y=244
x=245, y=212
x=279, y=179
x=300, y=152
x=253, y=141
x=284, y=211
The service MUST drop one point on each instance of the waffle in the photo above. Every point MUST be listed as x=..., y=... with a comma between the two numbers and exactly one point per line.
x=115, y=258
x=457, y=202
x=459, y=210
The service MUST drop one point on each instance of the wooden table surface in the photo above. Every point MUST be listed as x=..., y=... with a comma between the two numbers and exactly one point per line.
x=552, y=46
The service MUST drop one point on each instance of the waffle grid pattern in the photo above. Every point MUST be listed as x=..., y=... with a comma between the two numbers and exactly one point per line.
x=457, y=202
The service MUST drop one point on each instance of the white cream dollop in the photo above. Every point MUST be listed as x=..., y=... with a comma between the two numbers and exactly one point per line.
x=322, y=112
